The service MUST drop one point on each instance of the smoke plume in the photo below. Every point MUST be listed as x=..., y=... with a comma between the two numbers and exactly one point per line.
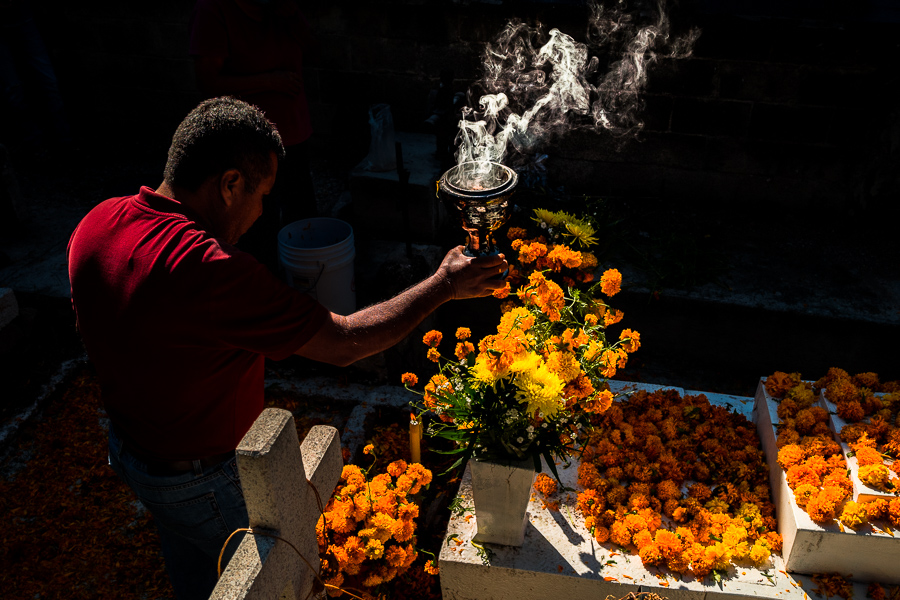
x=537, y=86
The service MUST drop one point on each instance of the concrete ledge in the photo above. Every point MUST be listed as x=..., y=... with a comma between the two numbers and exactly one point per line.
x=866, y=555
x=560, y=559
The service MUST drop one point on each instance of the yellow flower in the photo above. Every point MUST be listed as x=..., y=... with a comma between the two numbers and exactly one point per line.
x=538, y=387
x=854, y=515
x=551, y=218
x=611, y=282
x=759, y=554
x=581, y=231
x=374, y=549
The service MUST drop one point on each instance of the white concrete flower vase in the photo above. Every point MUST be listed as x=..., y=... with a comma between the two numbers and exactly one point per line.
x=501, y=493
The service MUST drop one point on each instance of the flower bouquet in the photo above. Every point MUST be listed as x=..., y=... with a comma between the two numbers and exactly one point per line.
x=527, y=391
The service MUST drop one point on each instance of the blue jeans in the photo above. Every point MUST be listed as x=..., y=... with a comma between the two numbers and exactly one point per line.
x=194, y=514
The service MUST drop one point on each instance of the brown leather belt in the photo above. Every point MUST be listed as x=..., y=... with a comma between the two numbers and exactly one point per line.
x=162, y=467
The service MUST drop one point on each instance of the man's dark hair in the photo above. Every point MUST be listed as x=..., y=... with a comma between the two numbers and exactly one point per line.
x=221, y=134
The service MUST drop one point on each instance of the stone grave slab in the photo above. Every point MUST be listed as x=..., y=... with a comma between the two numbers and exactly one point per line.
x=866, y=555
x=861, y=492
x=560, y=559
x=274, y=469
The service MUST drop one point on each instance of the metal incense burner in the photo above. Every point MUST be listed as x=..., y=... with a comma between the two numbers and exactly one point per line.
x=477, y=194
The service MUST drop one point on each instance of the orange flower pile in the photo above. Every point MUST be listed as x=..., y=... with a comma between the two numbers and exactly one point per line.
x=367, y=533
x=812, y=460
x=873, y=424
x=680, y=481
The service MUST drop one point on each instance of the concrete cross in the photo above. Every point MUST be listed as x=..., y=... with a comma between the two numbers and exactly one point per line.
x=274, y=468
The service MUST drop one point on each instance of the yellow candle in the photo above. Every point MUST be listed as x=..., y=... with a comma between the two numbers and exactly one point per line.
x=415, y=435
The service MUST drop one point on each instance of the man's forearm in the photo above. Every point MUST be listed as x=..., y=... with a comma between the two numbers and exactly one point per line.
x=378, y=327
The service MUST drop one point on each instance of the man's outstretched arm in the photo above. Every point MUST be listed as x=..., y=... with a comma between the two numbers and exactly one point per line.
x=344, y=340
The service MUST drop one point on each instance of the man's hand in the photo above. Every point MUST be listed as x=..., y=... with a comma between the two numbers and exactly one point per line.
x=469, y=277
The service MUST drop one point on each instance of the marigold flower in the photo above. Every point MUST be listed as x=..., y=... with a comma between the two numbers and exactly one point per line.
x=850, y=410
x=528, y=253
x=875, y=476
x=501, y=293
x=516, y=233
x=431, y=567
x=463, y=349
x=396, y=468
x=409, y=379
x=433, y=355
x=875, y=592
x=368, y=449
x=611, y=282
x=853, y=515
x=599, y=402
x=631, y=340
x=545, y=485
x=590, y=319
x=611, y=317
x=563, y=257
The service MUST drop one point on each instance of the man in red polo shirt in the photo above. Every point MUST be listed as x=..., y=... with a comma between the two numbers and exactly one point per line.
x=178, y=323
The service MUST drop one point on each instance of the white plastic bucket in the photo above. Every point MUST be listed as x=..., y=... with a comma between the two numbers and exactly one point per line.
x=317, y=255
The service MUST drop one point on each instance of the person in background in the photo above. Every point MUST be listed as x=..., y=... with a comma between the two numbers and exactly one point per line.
x=254, y=50
x=178, y=323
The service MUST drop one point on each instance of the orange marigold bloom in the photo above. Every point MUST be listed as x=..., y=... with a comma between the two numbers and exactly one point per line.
x=790, y=455
x=599, y=402
x=463, y=333
x=516, y=233
x=433, y=355
x=433, y=338
x=611, y=317
x=397, y=468
x=463, y=349
x=893, y=512
x=611, y=282
x=545, y=485
x=875, y=592
x=409, y=379
x=590, y=319
x=803, y=492
x=368, y=449
x=528, y=253
x=601, y=534
x=778, y=383
x=866, y=455
x=403, y=529
x=800, y=474
x=631, y=340
x=503, y=292
x=853, y=515
x=875, y=476
x=563, y=256
x=431, y=567
x=850, y=410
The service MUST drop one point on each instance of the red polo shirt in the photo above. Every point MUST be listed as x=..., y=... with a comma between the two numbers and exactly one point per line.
x=178, y=325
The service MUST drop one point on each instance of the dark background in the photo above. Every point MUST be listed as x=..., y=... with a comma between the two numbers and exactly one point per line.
x=782, y=126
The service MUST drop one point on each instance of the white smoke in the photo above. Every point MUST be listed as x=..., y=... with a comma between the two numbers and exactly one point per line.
x=536, y=86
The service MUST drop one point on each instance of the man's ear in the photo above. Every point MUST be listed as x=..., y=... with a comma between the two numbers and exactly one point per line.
x=230, y=185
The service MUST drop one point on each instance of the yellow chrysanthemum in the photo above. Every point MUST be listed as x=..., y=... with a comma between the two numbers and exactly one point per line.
x=538, y=387
x=580, y=231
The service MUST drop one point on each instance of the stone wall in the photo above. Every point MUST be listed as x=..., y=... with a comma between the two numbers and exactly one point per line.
x=795, y=107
